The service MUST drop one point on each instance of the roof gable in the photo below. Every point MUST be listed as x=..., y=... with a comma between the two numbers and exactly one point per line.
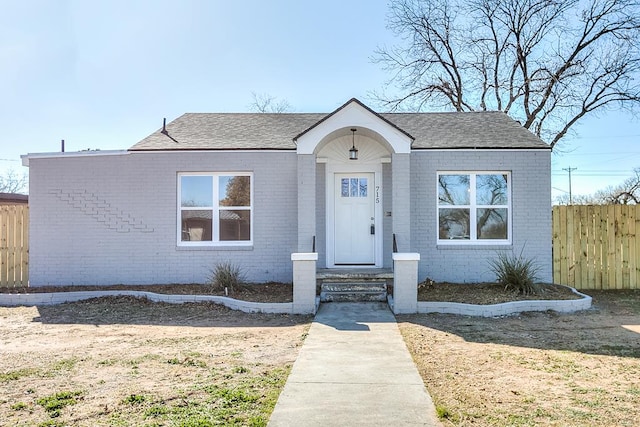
x=353, y=114
x=352, y=100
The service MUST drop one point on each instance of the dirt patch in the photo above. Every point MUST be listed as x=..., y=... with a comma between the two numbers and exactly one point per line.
x=262, y=292
x=487, y=293
x=126, y=361
x=533, y=369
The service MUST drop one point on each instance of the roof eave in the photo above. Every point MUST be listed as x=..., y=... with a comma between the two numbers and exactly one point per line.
x=139, y=150
x=483, y=148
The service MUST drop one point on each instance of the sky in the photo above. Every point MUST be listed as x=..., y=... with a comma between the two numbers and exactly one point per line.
x=102, y=74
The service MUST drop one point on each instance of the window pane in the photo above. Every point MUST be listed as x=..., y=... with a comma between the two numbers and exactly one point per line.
x=454, y=224
x=491, y=189
x=453, y=189
x=492, y=224
x=196, y=191
x=363, y=187
x=196, y=225
x=235, y=225
x=235, y=190
x=354, y=187
x=344, y=187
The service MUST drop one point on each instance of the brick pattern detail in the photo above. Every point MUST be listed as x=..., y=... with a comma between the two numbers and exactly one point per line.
x=70, y=246
x=102, y=211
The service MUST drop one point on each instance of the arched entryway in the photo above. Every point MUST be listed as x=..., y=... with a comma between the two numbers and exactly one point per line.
x=341, y=202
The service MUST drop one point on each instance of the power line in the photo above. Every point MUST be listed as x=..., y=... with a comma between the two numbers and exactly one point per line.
x=598, y=170
x=604, y=153
x=596, y=174
x=603, y=137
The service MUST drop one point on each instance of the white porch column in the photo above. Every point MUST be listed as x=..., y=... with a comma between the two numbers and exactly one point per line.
x=304, y=282
x=401, y=199
x=306, y=201
x=405, y=283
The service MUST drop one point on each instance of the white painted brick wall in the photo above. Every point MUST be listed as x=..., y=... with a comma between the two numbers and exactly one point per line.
x=321, y=214
x=122, y=226
x=387, y=221
x=306, y=203
x=402, y=200
x=531, y=204
x=113, y=219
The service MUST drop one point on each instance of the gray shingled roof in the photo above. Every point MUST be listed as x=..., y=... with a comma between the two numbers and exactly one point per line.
x=258, y=131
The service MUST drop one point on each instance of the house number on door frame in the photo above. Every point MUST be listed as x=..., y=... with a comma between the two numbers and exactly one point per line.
x=377, y=194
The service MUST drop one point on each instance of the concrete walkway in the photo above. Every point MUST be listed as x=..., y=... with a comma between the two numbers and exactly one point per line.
x=354, y=369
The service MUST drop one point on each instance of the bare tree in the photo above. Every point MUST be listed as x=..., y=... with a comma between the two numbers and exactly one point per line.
x=238, y=192
x=11, y=182
x=625, y=193
x=265, y=103
x=546, y=63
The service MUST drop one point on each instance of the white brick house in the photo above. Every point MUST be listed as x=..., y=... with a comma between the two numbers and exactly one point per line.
x=255, y=188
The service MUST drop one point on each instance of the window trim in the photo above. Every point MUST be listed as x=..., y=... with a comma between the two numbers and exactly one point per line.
x=216, y=208
x=473, y=209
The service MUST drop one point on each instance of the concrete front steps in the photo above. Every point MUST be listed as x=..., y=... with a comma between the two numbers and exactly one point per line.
x=348, y=291
x=354, y=284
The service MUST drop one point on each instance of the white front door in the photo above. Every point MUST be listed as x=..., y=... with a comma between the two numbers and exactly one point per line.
x=354, y=219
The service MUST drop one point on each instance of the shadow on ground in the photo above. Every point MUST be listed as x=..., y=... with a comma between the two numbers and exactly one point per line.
x=611, y=327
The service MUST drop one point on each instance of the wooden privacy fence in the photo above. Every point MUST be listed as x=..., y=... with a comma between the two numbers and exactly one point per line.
x=14, y=245
x=597, y=247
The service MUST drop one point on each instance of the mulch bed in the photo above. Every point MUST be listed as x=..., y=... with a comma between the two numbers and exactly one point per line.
x=487, y=293
x=262, y=292
x=475, y=293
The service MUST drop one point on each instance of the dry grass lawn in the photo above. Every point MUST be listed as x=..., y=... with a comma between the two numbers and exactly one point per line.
x=536, y=369
x=124, y=362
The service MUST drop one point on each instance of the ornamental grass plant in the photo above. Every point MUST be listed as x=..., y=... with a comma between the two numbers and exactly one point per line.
x=226, y=276
x=516, y=272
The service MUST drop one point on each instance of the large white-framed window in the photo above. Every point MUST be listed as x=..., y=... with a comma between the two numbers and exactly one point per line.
x=474, y=207
x=215, y=208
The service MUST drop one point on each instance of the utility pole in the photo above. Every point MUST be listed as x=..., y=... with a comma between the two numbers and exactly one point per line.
x=569, y=169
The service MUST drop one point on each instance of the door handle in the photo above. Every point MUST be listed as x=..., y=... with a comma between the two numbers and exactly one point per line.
x=373, y=229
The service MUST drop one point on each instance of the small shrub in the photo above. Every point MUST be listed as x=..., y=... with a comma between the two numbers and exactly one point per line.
x=19, y=406
x=16, y=375
x=54, y=403
x=515, y=272
x=156, y=411
x=226, y=275
x=134, y=399
x=188, y=361
x=443, y=413
x=240, y=370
